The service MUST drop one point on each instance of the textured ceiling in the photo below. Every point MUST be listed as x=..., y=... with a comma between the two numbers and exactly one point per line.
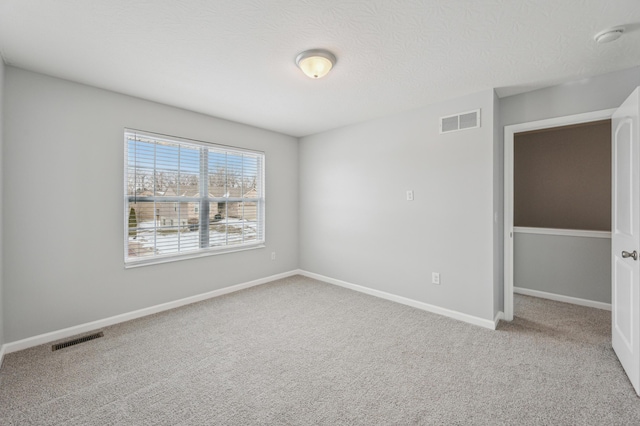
x=235, y=59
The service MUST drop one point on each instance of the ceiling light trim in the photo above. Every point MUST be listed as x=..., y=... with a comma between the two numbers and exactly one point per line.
x=316, y=63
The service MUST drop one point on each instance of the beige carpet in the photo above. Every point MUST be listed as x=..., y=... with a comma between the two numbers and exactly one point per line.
x=300, y=352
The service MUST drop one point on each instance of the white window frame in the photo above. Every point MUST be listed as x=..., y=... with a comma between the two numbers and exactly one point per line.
x=204, y=202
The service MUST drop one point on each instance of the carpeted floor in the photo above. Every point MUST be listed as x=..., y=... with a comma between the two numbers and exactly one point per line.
x=301, y=352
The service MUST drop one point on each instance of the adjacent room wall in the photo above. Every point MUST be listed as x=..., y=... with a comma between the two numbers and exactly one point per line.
x=63, y=201
x=562, y=180
x=357, y=226
x=562, y=177
x=2, y=341
x=587, y=95
x=569, y=266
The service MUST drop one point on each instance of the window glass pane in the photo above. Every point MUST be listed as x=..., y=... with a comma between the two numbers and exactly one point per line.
x=177, y=227
x=226, y=225
x=217, y=224
x=217, y=174
x=250, y=231
x=234, y=211
x=189, y=172
x=234, y=175
x=234, y=234
x=217, y=210
x=167, y=227
x=140, y=224
x=250, y=211
x=177, y=170
x=140, y=167
x=232, y=216
x=166, y=169
x=251, y=173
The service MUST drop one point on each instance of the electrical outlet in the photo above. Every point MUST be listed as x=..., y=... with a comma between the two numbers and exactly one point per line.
x=273, y=255
x=435, y=278
x=409, y=195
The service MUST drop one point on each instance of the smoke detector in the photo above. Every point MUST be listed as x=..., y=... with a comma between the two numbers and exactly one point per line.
x=609, y=35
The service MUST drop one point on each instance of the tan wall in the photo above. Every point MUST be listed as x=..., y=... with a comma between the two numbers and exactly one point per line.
x=562, y=177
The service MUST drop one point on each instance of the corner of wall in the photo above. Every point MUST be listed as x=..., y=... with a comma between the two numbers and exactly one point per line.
x=64, y=124
x=356, y=225
x=298, y=195
x=1, y=204
x=498, y=201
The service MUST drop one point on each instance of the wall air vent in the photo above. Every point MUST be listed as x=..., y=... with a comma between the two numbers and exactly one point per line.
x=462, y=121
x=76, y=341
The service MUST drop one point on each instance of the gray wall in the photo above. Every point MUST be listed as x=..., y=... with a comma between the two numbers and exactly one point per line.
x=62, y=167
x=570, y=266
x=63, y=201
x=355, y=222
x=1, y=202
x=592, y=94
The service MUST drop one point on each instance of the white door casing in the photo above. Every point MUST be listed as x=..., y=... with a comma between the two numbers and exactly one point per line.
x=625, y=227
x=509, y=134
x=625, y=237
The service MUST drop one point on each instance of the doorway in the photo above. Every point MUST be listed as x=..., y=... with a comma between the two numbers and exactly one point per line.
x=509, y=211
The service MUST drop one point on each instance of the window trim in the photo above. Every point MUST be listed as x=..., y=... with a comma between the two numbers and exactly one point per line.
x=192, y=255
x=201, y=252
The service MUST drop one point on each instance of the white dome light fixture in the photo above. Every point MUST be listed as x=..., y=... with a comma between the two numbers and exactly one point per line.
x=609, y=35
x=316, y=63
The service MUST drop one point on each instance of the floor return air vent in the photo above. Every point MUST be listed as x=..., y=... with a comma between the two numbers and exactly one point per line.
x=462, y=121
x=76, y=341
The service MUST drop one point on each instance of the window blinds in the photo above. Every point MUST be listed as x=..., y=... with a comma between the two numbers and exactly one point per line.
x=185, y=197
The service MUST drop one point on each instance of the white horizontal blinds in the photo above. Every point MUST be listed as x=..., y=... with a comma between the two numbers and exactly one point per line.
x=235, y=191
x=177, y=170
x=185, y=196
x=252, y=170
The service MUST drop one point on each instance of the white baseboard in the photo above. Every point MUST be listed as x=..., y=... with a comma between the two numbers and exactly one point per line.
x=499, y=316
x=90, y=326
x=561, y=298
x=405, y=301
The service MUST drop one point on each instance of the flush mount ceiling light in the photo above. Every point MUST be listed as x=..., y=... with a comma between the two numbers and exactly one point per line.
x=316, y=63
x=609, y=35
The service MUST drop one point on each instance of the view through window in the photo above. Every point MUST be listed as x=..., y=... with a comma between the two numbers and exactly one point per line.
x=185, y=198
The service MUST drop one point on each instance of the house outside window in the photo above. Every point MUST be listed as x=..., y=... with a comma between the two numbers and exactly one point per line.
x=187, y=198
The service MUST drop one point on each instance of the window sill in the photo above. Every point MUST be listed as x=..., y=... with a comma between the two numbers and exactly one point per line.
x=177, y=258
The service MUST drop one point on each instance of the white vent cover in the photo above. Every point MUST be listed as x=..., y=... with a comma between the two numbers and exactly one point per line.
x=462, y=121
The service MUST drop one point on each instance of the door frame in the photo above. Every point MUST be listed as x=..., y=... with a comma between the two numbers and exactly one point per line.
x=509, y=132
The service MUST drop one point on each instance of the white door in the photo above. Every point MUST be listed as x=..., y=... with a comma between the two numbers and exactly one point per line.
x=625, y=238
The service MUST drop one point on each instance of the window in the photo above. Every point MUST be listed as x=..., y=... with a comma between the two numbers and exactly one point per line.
x=207, y=198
